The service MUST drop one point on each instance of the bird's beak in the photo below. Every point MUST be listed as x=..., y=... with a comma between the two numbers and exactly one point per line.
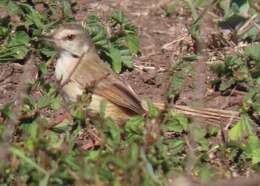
x=50, y=39
x=47, y=39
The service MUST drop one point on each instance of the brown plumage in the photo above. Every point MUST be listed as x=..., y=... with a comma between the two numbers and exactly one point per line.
x=79, y=68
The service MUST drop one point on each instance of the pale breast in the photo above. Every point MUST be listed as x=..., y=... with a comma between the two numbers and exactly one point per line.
x=65, y=64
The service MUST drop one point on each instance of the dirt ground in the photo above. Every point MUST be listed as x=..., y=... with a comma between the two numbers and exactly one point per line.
x=163, y=40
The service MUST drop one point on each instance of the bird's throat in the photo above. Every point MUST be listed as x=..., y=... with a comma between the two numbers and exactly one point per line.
x=64, y=67
x=65, y=64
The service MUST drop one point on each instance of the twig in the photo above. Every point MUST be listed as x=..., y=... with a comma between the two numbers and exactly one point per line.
x=166, y=46
x=71, y=73
x=212, y=3
x=256, y=25
x=29, y=116
x=242, y=29
x=191, y=158
x=141, y=67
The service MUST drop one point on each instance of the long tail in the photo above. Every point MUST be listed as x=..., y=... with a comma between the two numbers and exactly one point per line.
x=210, y=114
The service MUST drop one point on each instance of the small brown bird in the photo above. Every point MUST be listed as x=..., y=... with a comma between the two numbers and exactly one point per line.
x=79, y=68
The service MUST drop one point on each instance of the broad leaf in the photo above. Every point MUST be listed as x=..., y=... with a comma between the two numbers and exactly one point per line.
x=241, y=129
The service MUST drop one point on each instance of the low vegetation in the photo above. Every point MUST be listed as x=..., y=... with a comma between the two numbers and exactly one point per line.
x=39, y=149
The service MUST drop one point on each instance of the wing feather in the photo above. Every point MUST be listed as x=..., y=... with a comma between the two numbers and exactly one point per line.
x=93, y=71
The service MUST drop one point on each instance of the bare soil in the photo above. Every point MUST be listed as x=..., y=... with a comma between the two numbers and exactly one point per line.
x=163, y=40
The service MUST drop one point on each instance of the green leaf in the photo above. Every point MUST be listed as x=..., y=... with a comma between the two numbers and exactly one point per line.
x=190, y=57
x=105, y=174
x=30, y=102
x=233, y=62
x=19, y=153
x=232, y=21
x=127, y=58
x=192, y=7
x=11, y=6
x=253, y=51
x=115, y=56
x=31, y=129
x=149, y=168
x=170, y=8
x=240, y=6
x=252, y=148
x=227, y=84
x=19, y=44
x=43, y=68
x=32, y=16
x=114, y=132
x=55, y=103
x=253, y=142
x=44, y=181
x=134, y=153
x=54, y=140
x=177, y=145
x=67, y=12
x=62, y=127
x=47, y=50
x=132, y=43
x=72, y=162
x=44, y=101
x=120, y=19
x=176, y=123
x=241, y=129
x=118, y=49
x=4, y=27
x=205, y=172
x=251, y=34
x=177, y=82
x=181, y=69
x=135, y=125
x=224, y=4
x=256, y=156
x=97, y=32
x=6, y=111
x=92, y=155
x=182, y=119
x=151, y=172
x=153, y=111
x=213, y=131
x=173, y=126
x=198, y=133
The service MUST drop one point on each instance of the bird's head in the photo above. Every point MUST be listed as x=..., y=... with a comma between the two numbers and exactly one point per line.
x=71, y=38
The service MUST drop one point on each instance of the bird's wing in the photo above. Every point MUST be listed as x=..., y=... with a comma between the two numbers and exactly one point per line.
x=92, y=72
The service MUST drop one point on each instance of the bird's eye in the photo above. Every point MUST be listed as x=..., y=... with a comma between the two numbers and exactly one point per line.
x=70, y=37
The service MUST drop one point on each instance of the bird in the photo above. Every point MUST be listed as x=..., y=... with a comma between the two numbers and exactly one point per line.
x=79, y=68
